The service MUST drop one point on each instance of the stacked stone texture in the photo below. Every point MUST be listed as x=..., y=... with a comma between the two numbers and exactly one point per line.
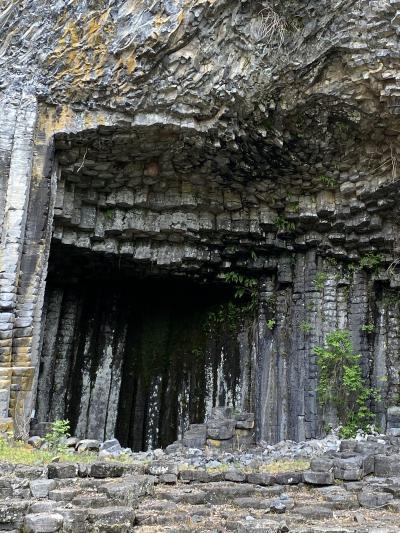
x=170, y=134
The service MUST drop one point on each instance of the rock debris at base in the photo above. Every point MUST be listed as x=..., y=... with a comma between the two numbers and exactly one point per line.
x=351, y=486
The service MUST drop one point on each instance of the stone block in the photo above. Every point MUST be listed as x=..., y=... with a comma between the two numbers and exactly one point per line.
x=62, y=471
x=321, y=464
x=104, y=470
x=315, y=512
x=28, y=472
x=348, y=445
x=260, y=478
x=40, y=487
x=235, y=476
x=349, y=469
x=196, y=436
x=112, y=518
x=168, y=479
x=220, y=429
x=200, y=476
x=244, y=420
x=128, y=489
x=372, y=500
x=387, y=465
x=87, y=445
x=63, y=495
x=393, y=417
x=43, y=523
x=158, y=468
x=289, y=478
x=111, y=446
x=318, y=478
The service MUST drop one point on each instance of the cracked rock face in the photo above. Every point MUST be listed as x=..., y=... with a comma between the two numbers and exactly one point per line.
x=186, y=140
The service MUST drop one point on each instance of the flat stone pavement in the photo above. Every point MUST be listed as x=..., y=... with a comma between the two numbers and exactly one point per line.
x=218, y=507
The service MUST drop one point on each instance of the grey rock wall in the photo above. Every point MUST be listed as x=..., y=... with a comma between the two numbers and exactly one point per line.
x=179, y=139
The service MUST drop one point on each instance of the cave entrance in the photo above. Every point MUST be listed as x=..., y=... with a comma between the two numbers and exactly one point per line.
x=136, y=355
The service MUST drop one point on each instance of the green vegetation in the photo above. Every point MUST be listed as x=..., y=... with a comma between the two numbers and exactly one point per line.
x=341, y=383
x=243, y=285
x=271, y=324
x=328, y=181
x=305, y=327
x=234, y=313
x=368, y=328
x=108, y=214
x=320, y=279
x=371, y=261
x=57, y=436
x=284, y=225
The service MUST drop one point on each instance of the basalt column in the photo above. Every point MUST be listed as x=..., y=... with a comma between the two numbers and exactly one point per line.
x=139, y=358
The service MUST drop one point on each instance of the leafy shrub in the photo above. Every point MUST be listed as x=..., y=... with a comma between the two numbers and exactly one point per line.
x=58, y=434
x=371, y=261
x=341, y=383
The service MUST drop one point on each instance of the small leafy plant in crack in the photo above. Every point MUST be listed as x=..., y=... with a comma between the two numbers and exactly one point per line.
x=328, y=181
x=271, y=323
x=284, y=225
x=320, y=279
x=305, y=327
x=368, y=328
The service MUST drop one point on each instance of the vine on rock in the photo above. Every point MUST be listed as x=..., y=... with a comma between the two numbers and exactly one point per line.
x=341, y=383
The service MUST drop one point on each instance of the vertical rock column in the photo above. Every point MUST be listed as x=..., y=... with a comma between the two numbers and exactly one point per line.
x=16, y=188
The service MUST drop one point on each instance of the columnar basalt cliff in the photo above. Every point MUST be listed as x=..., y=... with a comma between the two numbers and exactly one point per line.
x=148, y=150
